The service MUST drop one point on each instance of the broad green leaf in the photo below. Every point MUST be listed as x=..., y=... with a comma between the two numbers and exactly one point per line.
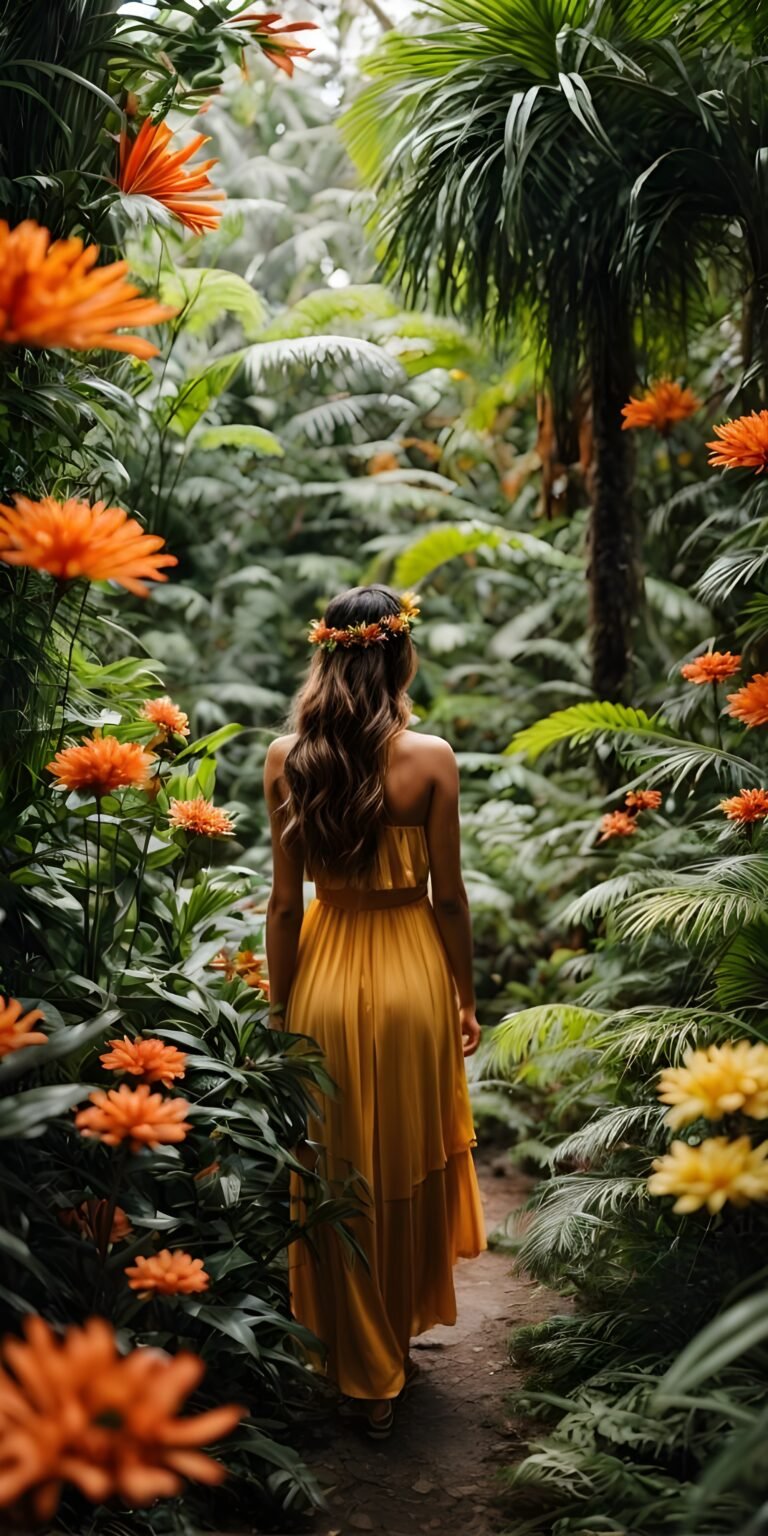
x=734, y=1333
x=258, y=439
x=26, y=1114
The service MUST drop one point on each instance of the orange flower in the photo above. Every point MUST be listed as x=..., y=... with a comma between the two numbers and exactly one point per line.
x=643, y=799
x=409, y=605
x=741, y=444
x=70, y=539
x=750, y=703
x=167, y=1274
x=73, y=1410
x=166, y=715
x=135, y=1115
x=747, y=805
x=53, y=295
x=89, y=1219
x=617, y=824
x=271, y=33
x=660, y=407
x=712, y=667
x=152, y=1060
x=245, y=964
x=320, y=633
x=363, y=634
x=101, y=764
x=381, y=463
x=147, y=166
x=199, y=818
x=16, y=1027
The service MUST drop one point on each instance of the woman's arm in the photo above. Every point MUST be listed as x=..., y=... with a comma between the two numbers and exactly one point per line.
x=449, y=898
x=285, y=908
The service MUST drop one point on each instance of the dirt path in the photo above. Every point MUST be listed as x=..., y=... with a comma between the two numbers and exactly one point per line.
x=452, y=1435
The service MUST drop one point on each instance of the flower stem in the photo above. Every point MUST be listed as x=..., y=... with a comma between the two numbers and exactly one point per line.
x=109, y=1216
x=716, y=703
x=97, y=890
x=68, y=674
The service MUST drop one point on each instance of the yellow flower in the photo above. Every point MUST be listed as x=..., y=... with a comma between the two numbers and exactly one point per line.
x=716, y=1082
x=712, y=1173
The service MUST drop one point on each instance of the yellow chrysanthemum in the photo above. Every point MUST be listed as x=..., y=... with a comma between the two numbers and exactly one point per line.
x=716, y=1171
x=718, y=1081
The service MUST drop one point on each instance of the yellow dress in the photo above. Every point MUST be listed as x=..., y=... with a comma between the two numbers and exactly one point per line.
x=373, y=989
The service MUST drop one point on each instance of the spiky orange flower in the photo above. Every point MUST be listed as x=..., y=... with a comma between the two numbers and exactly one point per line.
x=75, y=1411
x=643, y=799
x=52, y=294
x=150, y=1059
x=741, y=444
x=617, y=824
x=245, y=964
x=712, y=667
x=750, y=703
x=70, y=539
x=166, y=715
x=149, y=167
x=89, y=1220
x=167, y=1274
x=199, y=818
x=747, y=805
x=409, y=605
x=660, y=406
x=16, y=1029
x=135, y=1115
x=101, y=764
x=271, y=33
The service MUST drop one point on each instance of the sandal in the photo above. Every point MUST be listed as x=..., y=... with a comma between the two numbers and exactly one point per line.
x=381, y=1428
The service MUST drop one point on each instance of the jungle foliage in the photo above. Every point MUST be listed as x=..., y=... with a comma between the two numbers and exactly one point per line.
x=568, y=174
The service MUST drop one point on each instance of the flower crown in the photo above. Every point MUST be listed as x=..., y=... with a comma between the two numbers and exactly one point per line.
x=388, y=627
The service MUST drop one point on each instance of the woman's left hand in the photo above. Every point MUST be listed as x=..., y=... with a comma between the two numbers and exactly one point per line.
x=470, y=1030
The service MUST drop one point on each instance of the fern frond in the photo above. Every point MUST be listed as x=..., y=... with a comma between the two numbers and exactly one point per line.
x=729, y=571
x=570, y=1211
x=348, y=356
x=320, y=423
x=625, y=1123
x=554, y=1025
x=660, y=1034
x=585, y=722
x=696, y=905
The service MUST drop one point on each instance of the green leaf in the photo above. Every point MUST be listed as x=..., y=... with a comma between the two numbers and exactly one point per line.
x=439, y=546
x=733, y=1334
x=206, y=294
x=211, y=742
x=258, y=439
x=582, y=722
x=26, y=1114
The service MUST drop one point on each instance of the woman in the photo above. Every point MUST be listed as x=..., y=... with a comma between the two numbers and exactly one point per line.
x=381, y=978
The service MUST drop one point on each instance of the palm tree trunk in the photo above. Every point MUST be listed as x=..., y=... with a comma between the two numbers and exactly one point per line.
x=612, y=569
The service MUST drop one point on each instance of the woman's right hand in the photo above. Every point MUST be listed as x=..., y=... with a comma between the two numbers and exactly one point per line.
x=470, y=1030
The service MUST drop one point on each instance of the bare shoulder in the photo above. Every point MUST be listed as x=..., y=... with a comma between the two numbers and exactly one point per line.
x=274, y=764
x=278, y=751
x=431, y=754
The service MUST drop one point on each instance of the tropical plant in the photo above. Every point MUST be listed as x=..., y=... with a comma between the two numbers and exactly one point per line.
x=528, y=163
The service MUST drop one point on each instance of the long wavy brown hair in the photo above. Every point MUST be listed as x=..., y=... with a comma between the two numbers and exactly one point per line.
x=351, y=706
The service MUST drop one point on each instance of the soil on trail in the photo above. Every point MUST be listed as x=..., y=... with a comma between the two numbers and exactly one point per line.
x=453, y=1432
